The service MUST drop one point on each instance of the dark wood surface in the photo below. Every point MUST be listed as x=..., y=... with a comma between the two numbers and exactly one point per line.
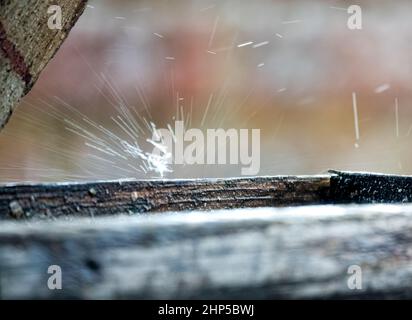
x=370, y=187
x=19, y=201
x=53, y=200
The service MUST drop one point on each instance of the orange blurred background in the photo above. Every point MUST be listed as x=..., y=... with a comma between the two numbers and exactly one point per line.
x=167, y=59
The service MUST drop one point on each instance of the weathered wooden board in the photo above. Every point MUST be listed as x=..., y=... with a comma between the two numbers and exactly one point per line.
x=27, y=44
x=140, y=196
x=299, y=252
x=25, y=201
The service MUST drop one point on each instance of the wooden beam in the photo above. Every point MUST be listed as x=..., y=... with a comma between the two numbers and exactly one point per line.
x=27, y=44
x=299, y=252
x=25, y=201
x=52, y=200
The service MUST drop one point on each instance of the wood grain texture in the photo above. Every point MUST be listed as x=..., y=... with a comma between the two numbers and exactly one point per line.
x=27, y=45
x=300, y=252
x=28, y=201
x=52, y=200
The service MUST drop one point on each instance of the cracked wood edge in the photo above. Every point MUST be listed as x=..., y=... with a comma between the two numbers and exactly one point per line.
x=145, y=196
x=299, y=252
x=27, y=45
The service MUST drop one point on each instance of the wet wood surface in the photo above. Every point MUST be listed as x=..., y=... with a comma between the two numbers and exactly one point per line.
x=53, y=200
x=28, y=201
x=210, y=238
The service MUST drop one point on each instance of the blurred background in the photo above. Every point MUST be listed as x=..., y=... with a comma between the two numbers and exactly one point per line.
x=287, y=67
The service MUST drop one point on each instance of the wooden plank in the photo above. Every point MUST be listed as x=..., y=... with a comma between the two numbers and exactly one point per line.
x=299, y=252
x=27, y=44
x=142, y=196
x=26, y=201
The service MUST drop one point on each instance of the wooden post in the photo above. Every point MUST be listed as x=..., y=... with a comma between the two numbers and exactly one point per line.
x=27, y=44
